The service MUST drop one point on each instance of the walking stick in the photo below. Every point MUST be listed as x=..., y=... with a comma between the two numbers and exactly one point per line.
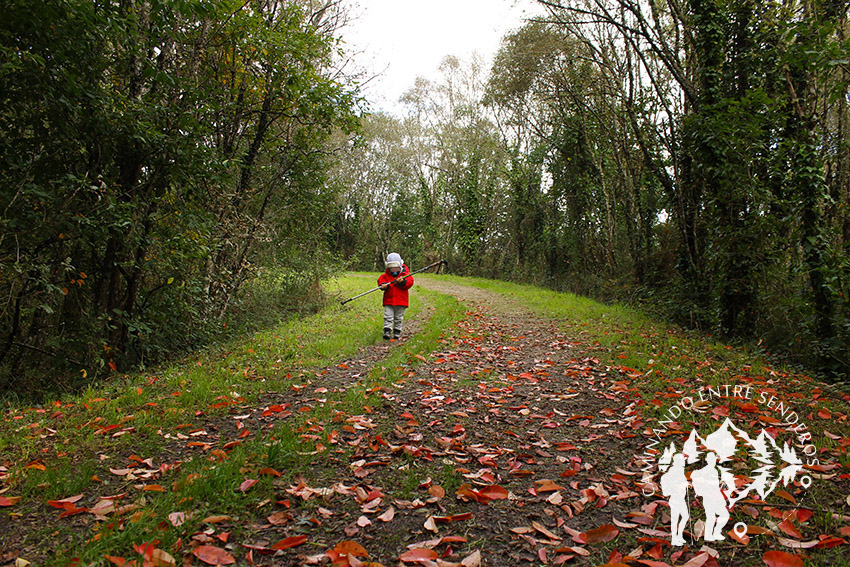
x=428, y=267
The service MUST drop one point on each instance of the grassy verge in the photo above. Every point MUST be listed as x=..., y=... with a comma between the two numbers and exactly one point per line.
x=144, y=425
x=163, y=396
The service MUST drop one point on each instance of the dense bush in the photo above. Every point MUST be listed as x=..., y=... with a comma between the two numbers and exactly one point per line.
x=154, y=155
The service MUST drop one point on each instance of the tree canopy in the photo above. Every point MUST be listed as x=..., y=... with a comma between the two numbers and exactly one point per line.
x=160, y=157
x=154, y=156
x=692, y=154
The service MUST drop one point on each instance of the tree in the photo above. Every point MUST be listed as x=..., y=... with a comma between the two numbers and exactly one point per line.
x=740, y=147
x=151, y=151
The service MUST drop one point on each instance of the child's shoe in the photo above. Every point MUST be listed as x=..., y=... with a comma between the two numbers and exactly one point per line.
x=387, y=334
x=397, y=334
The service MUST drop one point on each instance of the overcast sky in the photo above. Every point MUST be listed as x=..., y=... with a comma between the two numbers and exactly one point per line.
x=403, y=39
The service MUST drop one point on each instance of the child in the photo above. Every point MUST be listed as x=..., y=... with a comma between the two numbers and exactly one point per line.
x=395, y=294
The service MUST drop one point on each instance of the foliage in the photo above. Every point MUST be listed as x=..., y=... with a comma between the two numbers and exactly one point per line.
x=691, y=153
x=427, y=186
x=155, y=155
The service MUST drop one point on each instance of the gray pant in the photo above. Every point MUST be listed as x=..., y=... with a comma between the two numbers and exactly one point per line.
x=394, y=317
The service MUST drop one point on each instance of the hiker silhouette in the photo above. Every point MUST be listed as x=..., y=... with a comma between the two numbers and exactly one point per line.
x=674, y=485
x=706, y=483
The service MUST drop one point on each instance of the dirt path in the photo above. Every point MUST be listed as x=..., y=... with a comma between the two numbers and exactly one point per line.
x=537, y=416
x=476, y=297
x=504, y=445
x=510, y=444
x=312, y=390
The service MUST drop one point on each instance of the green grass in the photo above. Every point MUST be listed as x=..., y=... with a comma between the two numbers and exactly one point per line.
x=72, y=437
x=198, y=381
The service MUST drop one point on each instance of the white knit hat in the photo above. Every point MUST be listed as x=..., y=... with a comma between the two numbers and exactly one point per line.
x=394, y=261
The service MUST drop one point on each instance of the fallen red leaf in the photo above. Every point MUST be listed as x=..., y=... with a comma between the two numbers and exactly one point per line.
x=542, y=529
x=388, y=515
x=146, y=549
x=247, y=484
x=698, y=560
x=803, y=515
x=351, y=548
x=573, y=551
x=65, y=503
x=10, y=501
x=784, y=494
x=472, y=560
x=212, y=555
x=293, y=541
x=742, y=539
x=161, y=558
x=546, y=485
x=722, y=411
x=417, y=555
x=790, y=529
x=656, y=551
x=466, y=492
x=830, y=541
x=363, y=521
x=436, y=491
x=602, y=534
x=494, y=492
x=454, y=517
x=758, y=530
x=781, y=559
x=72, y=510
x=279, y=518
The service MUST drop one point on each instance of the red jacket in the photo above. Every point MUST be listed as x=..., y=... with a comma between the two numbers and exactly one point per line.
x=396, y=294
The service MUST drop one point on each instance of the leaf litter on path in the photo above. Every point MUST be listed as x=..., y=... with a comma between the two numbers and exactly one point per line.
x=511, y=444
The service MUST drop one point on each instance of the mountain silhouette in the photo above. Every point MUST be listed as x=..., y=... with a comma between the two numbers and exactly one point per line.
x=761, y=450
